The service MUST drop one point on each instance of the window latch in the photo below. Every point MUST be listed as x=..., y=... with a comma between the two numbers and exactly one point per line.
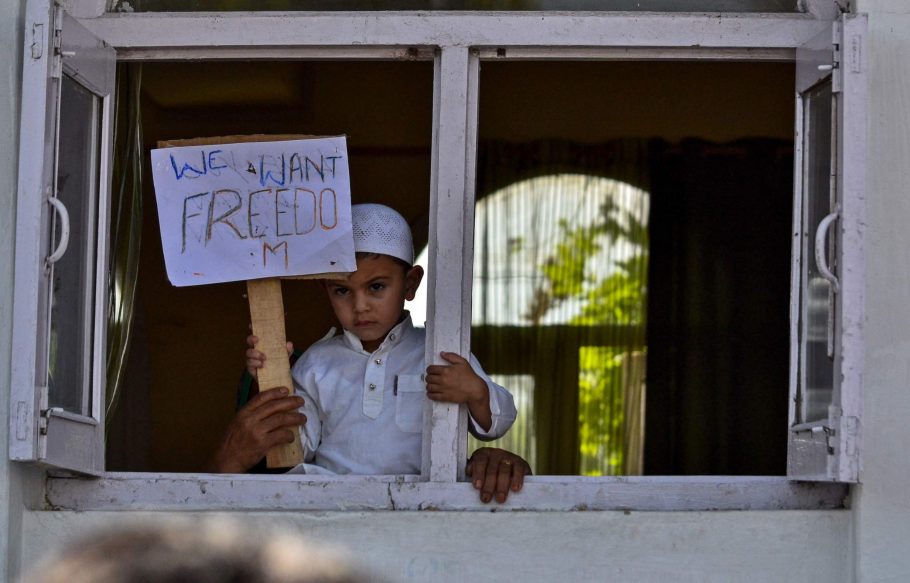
x=829, y=434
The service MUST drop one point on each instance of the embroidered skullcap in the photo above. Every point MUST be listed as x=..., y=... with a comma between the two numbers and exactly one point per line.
x=380, y=229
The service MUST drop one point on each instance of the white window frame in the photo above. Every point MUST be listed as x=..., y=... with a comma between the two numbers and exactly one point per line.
x=828, y=449
x=457, y=42
x=57, y=46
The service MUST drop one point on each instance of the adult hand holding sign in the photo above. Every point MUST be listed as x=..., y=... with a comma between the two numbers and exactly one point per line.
x=256, y=208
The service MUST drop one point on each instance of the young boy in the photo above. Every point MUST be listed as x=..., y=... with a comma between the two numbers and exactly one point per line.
x=363, y=390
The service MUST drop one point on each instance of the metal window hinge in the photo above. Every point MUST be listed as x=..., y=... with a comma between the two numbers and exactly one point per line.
x=829, y=436
x=42, y=418
x=837, y=69
x=847, y=57
x=56, y=44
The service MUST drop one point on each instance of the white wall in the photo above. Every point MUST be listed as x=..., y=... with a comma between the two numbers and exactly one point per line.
x=700, y=547
x=883, y=501
x=11, y=26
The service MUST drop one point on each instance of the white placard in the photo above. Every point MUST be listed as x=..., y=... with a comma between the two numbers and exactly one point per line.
x=232, y=212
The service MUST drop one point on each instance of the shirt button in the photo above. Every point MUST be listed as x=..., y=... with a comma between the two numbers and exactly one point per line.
x=372, y=386
x=378, y=361
x=391, y=337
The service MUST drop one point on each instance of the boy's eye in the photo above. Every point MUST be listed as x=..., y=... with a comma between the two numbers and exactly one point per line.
x=339, y=291
x=377, y=286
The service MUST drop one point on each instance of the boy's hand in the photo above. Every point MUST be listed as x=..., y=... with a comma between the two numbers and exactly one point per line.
x=458, y=383
x=267, y=420
x=455, y=382
x=496, y=471
x=255, y=359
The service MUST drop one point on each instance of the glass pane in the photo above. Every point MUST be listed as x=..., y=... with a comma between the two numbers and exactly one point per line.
x=521, y=438
x=818, y=303
x=611, y=400
x=386, y=110
x=69, y=370
x=483, y=5
x=614, y=224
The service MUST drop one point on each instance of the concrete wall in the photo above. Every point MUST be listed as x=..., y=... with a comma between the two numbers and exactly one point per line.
x=883, y=500
x=701, y=547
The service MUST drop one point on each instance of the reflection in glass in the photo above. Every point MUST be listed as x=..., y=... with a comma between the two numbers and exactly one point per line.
x=72, y=283
x=559, y=295
x=818, y=302
x=558, y=318
x=521, y=438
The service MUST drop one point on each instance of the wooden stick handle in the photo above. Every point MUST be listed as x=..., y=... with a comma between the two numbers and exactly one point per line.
x=267, y=313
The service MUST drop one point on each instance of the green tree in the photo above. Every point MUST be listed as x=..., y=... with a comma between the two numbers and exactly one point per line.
x=615, y=299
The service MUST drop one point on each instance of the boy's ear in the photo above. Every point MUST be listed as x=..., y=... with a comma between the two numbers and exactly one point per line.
x=412, y=281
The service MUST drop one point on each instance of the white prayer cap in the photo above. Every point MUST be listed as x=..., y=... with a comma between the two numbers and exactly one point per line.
x=380, y=229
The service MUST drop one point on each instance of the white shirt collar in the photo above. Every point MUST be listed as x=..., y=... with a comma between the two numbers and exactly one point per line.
x=392, y=339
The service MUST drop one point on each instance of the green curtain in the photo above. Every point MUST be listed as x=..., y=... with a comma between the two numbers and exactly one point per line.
x=125, y=230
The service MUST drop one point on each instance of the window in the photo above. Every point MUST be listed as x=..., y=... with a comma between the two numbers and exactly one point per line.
x=458, y=45
x=827, y=321
x=64, y=184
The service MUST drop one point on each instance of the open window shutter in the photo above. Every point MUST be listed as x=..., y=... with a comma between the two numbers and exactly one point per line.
x=61, y=243
x=826, y=375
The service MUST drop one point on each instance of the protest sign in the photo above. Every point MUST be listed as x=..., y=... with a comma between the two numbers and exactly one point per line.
x=251, y=210
x=256, y=208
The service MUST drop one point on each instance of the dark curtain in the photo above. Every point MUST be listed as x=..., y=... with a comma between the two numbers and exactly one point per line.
x=717, y=330
x=718, y=326
x=125, y=231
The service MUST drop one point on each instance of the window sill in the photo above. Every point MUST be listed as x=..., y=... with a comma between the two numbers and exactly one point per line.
x=214, y=492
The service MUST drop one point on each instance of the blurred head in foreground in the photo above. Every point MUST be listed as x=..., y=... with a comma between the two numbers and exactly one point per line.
x=210, y=551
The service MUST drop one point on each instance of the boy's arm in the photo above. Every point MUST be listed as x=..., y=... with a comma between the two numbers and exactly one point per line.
x=464, y=381
x=311, y=432
x=501, y=404
x=458, y=383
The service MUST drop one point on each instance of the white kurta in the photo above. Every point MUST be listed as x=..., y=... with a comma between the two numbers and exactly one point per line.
x=365, y=411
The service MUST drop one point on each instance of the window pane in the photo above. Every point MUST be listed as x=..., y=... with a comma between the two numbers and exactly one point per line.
x=611, y=401
x=615, y=224
x=386, y=110
x=71, y=294
x=817, y=309
x=371, y=5
x=522, y=437
x=559, y=297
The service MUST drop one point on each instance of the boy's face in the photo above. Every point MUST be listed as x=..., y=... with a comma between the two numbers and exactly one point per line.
x=371, y=301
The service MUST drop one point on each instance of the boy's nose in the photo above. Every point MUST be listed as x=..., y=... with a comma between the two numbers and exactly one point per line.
x=360, y=303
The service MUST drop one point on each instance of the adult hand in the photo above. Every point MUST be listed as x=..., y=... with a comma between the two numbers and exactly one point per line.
x=267, y=420
x=496, y=471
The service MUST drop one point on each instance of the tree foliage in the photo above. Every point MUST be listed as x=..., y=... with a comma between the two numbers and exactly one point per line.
x=611, y=295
